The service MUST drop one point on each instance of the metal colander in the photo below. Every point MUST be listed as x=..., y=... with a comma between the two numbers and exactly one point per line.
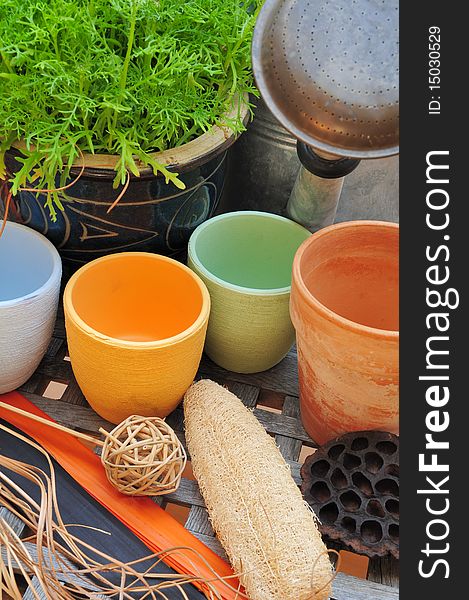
x=329, y=72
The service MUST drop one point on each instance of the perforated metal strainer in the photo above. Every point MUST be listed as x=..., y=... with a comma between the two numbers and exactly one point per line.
x=329, y=72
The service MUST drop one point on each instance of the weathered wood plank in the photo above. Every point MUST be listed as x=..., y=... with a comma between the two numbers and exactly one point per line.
x=176, y=420
x=50, y=560
x=54, y=348
x=198, y=521
x=84, y=417
x=389, y=571
x=284, y=425
x=384, y=570
x=81, y=417
x=38, y=589
x=249, y=394
x=187, y=494
x=211, y=542
x=346, y=587
x=295, y=468
x=64, y=577
x=36, y=384
x=287, y=428
x=73, y=395
x=59, y=330
x=289, y=446
x=11, y=520
x=55, y=370
x=282, y=378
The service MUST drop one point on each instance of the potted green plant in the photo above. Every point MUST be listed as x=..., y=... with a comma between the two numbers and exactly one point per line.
x=128, y=100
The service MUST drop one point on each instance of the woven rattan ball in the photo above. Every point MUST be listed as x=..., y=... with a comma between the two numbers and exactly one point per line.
x=142, y=456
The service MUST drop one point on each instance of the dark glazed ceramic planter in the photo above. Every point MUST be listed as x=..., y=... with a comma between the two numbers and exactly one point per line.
x=152, y=216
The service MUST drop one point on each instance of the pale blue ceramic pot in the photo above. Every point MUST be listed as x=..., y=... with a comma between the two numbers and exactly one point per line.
x=31, y=271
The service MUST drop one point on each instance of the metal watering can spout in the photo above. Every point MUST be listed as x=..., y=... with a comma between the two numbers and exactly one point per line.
x=329, y=72
x=315, y=196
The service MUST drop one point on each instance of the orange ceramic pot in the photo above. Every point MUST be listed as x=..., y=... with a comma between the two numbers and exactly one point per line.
x=136, y=325
x=345, y=309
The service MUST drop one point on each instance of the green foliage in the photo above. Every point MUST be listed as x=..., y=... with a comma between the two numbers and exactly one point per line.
x=125, y=77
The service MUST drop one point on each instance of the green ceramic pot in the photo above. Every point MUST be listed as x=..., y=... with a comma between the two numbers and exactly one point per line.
x=245, y=259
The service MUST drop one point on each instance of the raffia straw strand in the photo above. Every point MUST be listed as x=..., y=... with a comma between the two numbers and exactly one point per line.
x=45, y=521
x=52, y=424
x=142, y=456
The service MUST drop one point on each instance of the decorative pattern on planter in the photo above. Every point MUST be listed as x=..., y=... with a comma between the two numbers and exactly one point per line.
x=152, y=216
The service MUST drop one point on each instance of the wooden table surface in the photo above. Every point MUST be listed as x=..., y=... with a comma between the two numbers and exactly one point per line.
x=273, y=395
x=371, y=192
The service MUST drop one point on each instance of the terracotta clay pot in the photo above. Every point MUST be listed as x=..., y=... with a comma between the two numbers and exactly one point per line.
x=136, y=326
x=344, y=306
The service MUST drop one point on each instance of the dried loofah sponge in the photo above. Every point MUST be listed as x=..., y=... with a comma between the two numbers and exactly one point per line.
x=257, y=511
